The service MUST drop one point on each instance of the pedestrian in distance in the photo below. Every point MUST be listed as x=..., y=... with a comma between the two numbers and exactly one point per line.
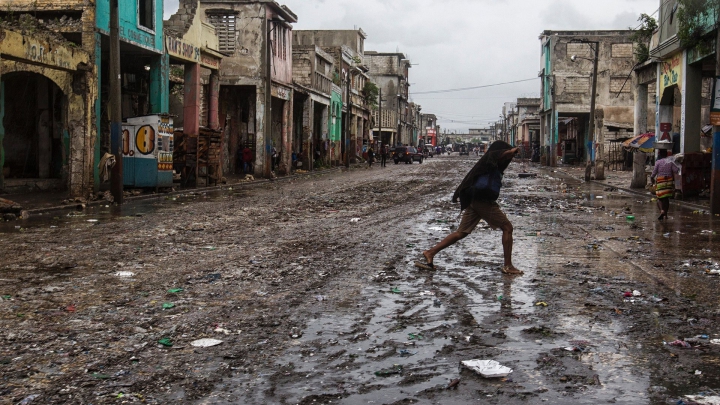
x=371, y=156
x=383, y=156
x=663, y=176
x=247, y=157
x=478, y=193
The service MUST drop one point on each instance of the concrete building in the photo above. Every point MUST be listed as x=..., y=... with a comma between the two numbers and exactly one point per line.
x=429, y=130
x=390, y=72
x=528, y=125
x=313, y=70
x=47, y=98
x=192, y=46
x=256, y=91
x=347, y=49
x=566, y=89
x=144, y=66
x=682, y=85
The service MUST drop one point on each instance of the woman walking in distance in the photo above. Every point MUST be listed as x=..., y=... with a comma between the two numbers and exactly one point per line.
x=478, y=193
x=663, y=175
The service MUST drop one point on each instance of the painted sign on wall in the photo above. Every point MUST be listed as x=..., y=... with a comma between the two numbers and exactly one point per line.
x=182, y=50
x=671, y=73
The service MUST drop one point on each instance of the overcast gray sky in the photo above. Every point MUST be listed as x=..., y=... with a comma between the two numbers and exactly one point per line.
x=464, y=43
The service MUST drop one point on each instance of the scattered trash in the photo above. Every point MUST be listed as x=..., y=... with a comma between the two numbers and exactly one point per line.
x=630, y=218
x=701, y=400
x=541, y=304
x=437, y=303
x=636, y=293
x=175, y=290
x=92, y=220
x=28, y=399
x=295, y=333
x=597, y=290
x=415, y=336
x=453, y=383
x=168, y=305
x=698, y=372
x=395, y=290
x=355, y=220
x=208, y=247
x=406, y=353
x=165, y=342
x=680, y=343
x=396, y=369
x=321, y=298
x=487, y=368
x=124, y=274
x=6, y=297
x=207, y=342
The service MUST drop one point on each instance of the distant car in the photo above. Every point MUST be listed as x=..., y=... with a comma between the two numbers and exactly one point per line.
x=406, y=154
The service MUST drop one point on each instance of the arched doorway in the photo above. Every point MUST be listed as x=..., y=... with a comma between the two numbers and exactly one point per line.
x=36, y=143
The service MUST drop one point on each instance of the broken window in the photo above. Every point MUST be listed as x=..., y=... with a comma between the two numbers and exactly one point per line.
x=146, y=14
x=225, y=28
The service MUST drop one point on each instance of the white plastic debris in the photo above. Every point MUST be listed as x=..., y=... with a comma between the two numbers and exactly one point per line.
x=205, y=342
x=636, y=293
x=698, y=372
x=487, y=368
x=709, y=400
x=715, y=341
x=355, y=220
x=92, y=220
x=124, y=273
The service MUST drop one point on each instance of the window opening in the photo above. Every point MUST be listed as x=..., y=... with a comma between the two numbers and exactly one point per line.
x=225, y=28
x=146, y=14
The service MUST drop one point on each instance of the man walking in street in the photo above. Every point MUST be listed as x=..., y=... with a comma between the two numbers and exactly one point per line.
x=371, y=156
x=478, y=193
x=383, y=155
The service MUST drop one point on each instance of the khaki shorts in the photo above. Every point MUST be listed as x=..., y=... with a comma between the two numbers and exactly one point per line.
x=486, y=210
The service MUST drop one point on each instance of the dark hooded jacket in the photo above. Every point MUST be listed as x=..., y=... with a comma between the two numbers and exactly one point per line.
x=487, y=163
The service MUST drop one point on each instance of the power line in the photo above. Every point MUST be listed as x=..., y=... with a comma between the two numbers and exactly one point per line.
x=473, y=88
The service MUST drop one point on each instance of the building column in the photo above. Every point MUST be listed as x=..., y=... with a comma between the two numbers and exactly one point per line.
x=213, y=101
x=262, y=140
x=287, y=131
x=159, y=84
x=191, y=100
x=690, y=116
x=641, y=108
x=307, y=133
x=2, y=131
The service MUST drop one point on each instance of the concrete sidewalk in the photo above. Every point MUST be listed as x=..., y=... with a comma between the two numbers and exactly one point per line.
x=622, y=179
x=37, y=202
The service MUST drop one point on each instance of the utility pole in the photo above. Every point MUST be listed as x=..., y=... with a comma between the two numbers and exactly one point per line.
x=115, y=105
x=347, y=120
x=380, y=140
x=593, y=94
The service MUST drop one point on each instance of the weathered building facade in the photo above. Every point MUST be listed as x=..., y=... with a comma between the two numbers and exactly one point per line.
x=528, y=125
x=143, y=70
x=47, y=101
x=256, y=90
x=566, y=88
x=347, y=48
x=313, y=70
x=390, y=72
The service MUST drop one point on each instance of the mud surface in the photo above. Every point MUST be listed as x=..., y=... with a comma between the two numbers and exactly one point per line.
x=311, y=288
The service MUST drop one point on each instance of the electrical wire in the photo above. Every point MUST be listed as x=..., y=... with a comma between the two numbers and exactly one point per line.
x=473, y=87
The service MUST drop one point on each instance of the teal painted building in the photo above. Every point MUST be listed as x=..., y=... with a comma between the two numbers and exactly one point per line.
x=335, y=123
x=144, y=77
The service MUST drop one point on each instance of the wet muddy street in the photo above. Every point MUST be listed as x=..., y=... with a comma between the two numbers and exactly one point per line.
x=310, y=286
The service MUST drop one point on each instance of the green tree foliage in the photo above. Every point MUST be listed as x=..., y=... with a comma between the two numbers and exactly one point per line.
x=371, y=93
x=695, y=18
x=641, y=37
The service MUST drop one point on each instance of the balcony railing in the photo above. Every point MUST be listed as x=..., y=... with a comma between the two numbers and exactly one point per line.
x=322, y=83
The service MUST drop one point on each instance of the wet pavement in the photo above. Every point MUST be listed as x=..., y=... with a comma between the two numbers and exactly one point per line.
x=310, y=286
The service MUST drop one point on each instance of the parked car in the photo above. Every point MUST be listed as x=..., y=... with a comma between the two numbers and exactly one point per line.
x=406, y=154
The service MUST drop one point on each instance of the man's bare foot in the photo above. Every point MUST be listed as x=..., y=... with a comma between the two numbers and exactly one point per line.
x=428, y=257
x=511, y=270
